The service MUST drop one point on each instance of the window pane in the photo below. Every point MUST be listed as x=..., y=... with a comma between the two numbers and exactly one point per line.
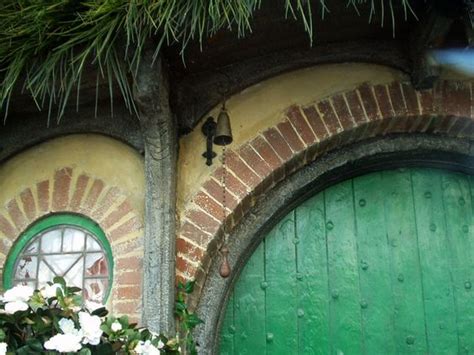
x=51, y=241
x=92, y=244
x=62, y=263
x=96, y=264
x=67, y=251
x=95, y=289
x=32, y=248
x=75, y=275
x=26, y=268
x=73, y=240
x=44, y=274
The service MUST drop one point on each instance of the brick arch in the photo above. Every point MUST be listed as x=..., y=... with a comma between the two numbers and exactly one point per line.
x=305, y=133
x=70, y=190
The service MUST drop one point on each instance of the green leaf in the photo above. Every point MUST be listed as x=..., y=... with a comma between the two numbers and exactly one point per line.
x=60, y=280
x=189, y=287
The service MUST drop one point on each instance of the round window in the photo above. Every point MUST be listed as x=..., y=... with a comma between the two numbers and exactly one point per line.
x=69, y=246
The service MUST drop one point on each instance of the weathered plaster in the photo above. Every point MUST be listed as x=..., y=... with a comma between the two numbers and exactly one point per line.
x=99, y=156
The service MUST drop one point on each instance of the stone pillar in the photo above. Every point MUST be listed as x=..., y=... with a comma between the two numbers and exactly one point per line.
x=159, y=130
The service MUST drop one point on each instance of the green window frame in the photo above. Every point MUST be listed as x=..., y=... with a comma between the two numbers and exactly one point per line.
x=50, y=222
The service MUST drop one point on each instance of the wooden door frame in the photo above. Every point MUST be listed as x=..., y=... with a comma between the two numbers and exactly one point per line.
x=403, y=150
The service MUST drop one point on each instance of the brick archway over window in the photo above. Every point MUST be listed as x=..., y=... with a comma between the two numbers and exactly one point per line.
x=304, y=134
x=69, y=190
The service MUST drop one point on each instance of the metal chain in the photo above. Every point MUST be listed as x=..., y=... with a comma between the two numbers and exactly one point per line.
x=224, y=191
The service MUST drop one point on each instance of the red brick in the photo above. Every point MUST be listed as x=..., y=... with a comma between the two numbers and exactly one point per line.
x=342, y=111
x=208, y=204
x=253, y=160
x=426, y=101
x=129, y=293
x=301, y=126
x=129, y=278
x=233, y=188
x=106, y=202
x=93, y=195
x=396, y=97
x=355, y=106
x=329, y=117
x=241, y=170
x=7, y=228
x=28, y=202
x=125, y=228
x=184, y=266
x=279, y=145
x=42, y=189
x=411, y=100
x=383, y=100
x=457, y=99
x=79, y=190
x=117, y=214
x=127, y=307
x=369, y=103
x=203, y=221
x=289, y=134
x=270, y=157
x=191, y=232
x=191, y=251
x=128, y=263
x=62, y=183
x=398, y=104
x=316, y=122
x=266, y=152
x=17, y=216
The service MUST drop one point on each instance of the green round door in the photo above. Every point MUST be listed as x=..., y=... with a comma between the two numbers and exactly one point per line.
x=379, y=264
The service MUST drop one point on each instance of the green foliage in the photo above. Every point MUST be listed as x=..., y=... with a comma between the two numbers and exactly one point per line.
x=26, y=331
x=187, y=320
x=47, y=44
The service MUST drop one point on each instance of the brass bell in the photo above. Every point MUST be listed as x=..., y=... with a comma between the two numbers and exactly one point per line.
x=223, y=135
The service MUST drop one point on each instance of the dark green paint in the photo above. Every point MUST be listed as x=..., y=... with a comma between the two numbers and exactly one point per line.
x=379, y=264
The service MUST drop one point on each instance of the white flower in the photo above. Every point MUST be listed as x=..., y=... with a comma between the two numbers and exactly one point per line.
x=91, y=306
x=90, y=326
x=50, y=291
x=18, y=293
x=161, y=345
x=64, y=343
x=3, y=348
x=15, y=306
x=116, y=326
x=146, y=348
x=67, y=326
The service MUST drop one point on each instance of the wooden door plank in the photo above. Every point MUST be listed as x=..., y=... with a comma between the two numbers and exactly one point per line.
x=440, y=310
x=228, y=329
x=345, y=318
x=458, y=210
x=313, y=306
x=409, y=317
x=374, y=265
x=249, y=303
x=281, y=294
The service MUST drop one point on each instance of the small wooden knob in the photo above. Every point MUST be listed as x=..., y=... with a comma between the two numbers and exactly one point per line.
x=224, y=270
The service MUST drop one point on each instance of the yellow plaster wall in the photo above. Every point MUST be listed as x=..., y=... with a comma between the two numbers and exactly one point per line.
x=99, y=156
x=262, y=106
